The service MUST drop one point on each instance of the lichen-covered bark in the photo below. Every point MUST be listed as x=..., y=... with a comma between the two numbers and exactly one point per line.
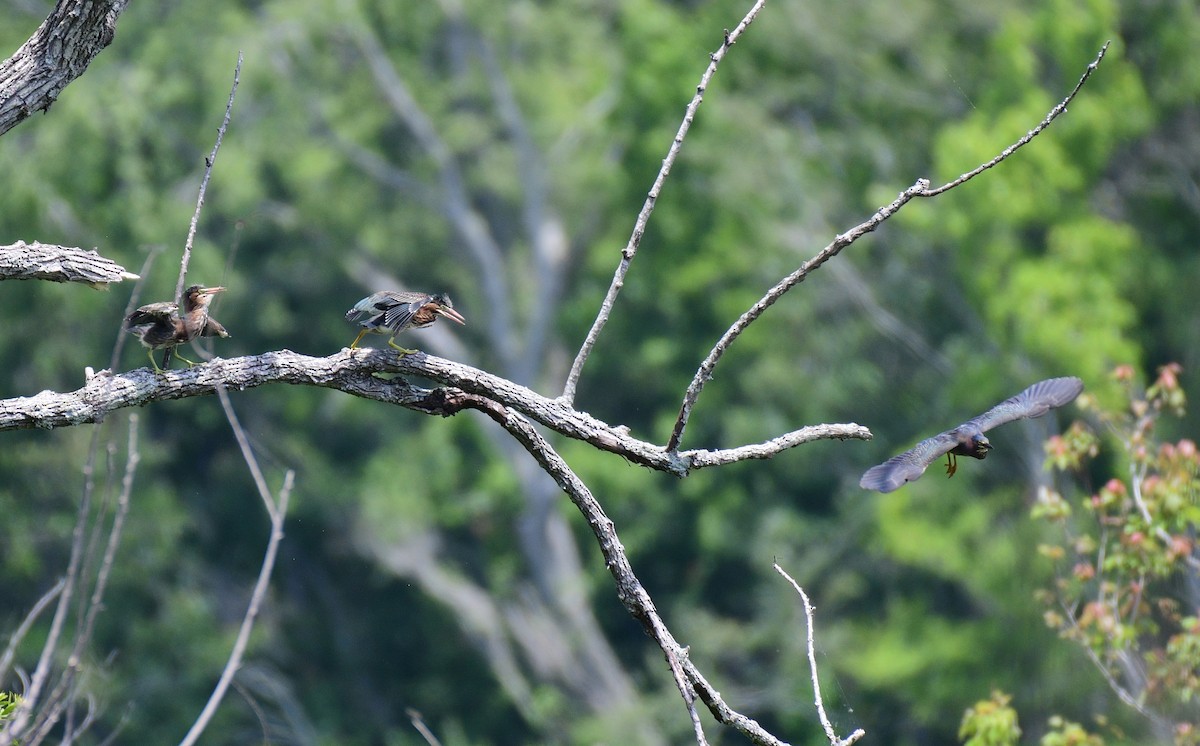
x=57, y=53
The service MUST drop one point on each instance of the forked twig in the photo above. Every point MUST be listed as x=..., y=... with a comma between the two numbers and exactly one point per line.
x=795, y=278
x=277, y=510
x=920, y=189
x=812, y=665
x=639, y=226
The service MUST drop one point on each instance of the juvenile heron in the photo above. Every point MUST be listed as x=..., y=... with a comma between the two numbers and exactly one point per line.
x=968, y=438
x=391, y=312
x=159, y=326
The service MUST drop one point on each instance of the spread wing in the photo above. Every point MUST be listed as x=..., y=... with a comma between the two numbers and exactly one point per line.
x=401, y=315
x=908, y=466
x=1034, y=401
x=152, y=313
x=379, y=305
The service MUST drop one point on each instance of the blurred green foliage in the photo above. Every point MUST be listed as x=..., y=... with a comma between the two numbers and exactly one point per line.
x=1074, y=255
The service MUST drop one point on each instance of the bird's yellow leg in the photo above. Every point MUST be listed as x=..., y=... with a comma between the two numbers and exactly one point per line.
x=951, y=465
x=358, y=339
x=184, y=359
x=150, y=354
x=403, y=351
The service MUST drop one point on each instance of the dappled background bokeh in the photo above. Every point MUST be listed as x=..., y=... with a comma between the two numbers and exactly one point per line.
x=500, y=152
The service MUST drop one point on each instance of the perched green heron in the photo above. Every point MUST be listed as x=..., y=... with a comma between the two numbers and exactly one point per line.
x=160, y=327
x=391, y=312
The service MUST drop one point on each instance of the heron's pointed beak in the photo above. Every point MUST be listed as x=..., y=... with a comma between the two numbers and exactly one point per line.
x=212, y=291
x=451, y=314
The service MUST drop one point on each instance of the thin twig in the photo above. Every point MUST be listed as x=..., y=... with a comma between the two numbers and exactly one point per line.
x=65, y=689
x=1061, y=108
x=812, y=665
x=277, y=509
x=795, y=278
x=239, y=433
x=27, y=709
x=920, y=189
x=19, y=635
x=418, y=722
x=639, y=226
x=208, y=168
x=1122, y=693
x=132, y=459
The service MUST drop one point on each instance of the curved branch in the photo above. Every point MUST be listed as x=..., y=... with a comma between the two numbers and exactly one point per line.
x=920, y=189
x=795, y=278
x=57, y=53
x=40, y=261
x=690, y=682
x=639, y=226
x=352, y=371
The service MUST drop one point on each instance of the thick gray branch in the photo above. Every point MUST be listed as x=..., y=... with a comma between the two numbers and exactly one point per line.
x=57, y=53
x=39, y=261
x=352, y=371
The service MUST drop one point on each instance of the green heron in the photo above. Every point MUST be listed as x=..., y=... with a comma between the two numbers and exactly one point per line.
x=391, y=312
x=968, y=438
x=160, y=327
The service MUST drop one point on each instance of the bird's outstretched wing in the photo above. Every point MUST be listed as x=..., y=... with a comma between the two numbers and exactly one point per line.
x=152, y=313
x=379, y=305
x=1034, y=401
x=908, y=466
x=400, y=315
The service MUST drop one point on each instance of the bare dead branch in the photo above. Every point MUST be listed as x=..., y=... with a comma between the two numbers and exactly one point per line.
x=39, y=261
x=700, y=459
x=208, y=168
x=812, y=665
x=57, y=53
x=418, y=722
x=920, y=189
x=1060, y=109
x=639, y=226
x=51, y=709
x=26, y=624
x=354, y=373
x=260, y=589
x=795, y=278
x=28, y=708
x=630, y=591
x=96, y=603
